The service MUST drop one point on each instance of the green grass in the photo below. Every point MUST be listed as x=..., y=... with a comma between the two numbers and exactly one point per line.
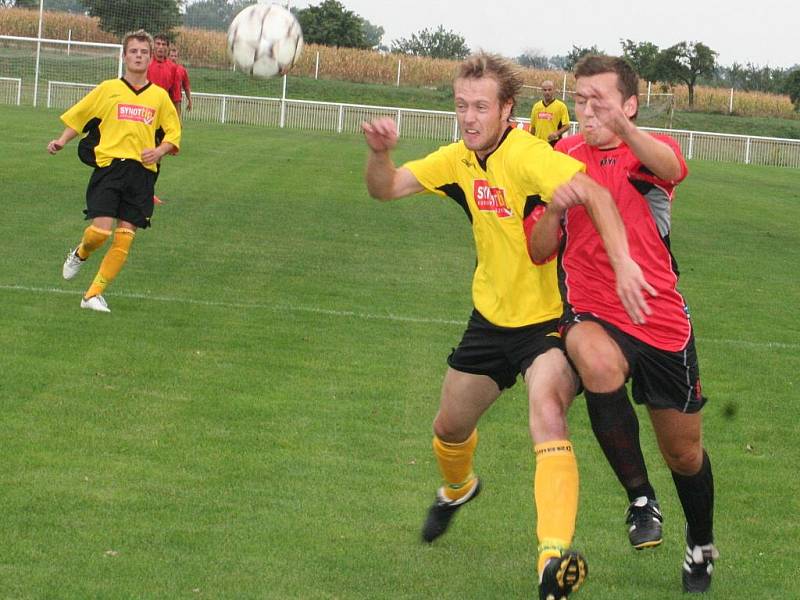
x=253, y=418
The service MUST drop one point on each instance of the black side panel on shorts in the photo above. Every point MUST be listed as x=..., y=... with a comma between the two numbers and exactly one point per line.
x=454, y=191
x=87, y=145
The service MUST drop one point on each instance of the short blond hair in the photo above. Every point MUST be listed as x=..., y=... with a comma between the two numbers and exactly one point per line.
x=140, y=35
x=483, y=64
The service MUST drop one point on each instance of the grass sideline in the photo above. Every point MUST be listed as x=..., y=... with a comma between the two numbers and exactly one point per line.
x=253, y=418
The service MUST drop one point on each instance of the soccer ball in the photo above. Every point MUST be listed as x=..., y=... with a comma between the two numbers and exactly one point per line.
x=265, y=40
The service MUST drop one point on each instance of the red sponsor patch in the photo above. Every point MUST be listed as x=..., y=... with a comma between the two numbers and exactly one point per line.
x=490, y=199
x=545, y=116
x=134, y=112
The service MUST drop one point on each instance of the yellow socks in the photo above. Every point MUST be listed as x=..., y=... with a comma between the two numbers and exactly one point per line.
x=556, y=496
x=455, y=464
x=112, y=262
x=93, y=238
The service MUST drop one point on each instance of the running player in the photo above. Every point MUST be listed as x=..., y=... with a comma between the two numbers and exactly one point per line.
x=658, y=355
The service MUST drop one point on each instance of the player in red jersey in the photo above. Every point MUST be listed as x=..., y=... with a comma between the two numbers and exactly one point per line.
x=163, y=72
x=182, y=84
x=657, y=353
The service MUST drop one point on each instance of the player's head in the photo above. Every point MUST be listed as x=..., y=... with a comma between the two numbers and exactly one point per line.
x=611, y=76
x=485, y=90
x=137, y=49
x=548, y=91
x=161, y=42
x=173, y=52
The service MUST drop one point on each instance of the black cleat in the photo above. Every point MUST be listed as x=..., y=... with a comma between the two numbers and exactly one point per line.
x=644, y=523
x=698, y=564
x=562, y=576
x=441, y=513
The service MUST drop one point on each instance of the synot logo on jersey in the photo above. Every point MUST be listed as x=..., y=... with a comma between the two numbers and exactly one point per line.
x=490, y=199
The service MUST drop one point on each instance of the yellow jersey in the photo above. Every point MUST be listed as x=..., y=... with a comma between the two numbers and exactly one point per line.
x=507, y=288
x=126, y=120
x=547, y=119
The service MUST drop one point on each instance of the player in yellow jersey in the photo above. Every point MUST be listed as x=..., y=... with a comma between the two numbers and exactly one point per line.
x=499, y=175
x=549, y=116
x=123, y=117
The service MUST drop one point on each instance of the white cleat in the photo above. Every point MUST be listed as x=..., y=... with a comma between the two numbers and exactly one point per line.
x=72, y=264
x=97, y=303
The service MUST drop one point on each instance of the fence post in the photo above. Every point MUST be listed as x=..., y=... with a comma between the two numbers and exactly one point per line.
x=340, y=127
x=730, y=104
x=747, y=152
x=283, y=103
x=564, y=88
x=455, y=129
x=69, y=40
x=399, y=62
x=691, y=146
x=316, y=68
x=399, y=117
x=649, y=85
x=222, y=111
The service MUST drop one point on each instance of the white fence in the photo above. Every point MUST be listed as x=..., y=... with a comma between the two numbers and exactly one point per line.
x=8, y=93
x=427, y=124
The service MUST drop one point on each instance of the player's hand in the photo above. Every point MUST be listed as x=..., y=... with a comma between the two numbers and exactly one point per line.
x=381, y=134
x=567, y=195
x=631, y=289
x=609, y=112
x=553, y=137
x=54, y=146
x=151, y=156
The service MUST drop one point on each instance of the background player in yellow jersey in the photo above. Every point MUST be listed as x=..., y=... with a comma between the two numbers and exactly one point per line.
x=549, y=116
x=124, y=116
x=499, y=175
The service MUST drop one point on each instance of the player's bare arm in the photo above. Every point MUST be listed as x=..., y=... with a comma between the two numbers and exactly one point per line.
x=384, y=180
x=153, y=155
x=55, y=145
x=654, y=154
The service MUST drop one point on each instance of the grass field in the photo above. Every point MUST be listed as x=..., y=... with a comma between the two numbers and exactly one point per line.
x=253, y=418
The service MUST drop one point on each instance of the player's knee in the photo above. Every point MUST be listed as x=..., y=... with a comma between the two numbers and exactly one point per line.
x=686, y=460
x=601, y=372
x=449, y=430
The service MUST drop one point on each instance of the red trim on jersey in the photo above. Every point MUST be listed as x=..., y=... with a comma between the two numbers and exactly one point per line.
x=587, y=276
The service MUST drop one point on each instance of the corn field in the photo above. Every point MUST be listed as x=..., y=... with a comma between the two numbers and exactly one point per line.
x=203, y=48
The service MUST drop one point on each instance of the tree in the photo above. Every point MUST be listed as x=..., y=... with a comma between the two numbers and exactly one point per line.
x=373, y=34
x=577, y=53
x=157, y=16
x=331, y=24
x=791, y=86
x=534, y=59
x=642, y=56
x=685, y=62
x=433, y=44
x=213, y=14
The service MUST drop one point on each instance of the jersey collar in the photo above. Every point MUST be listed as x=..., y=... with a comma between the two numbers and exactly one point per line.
x=133, y=89
x=483, y=162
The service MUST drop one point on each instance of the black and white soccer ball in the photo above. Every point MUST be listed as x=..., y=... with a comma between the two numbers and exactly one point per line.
x=265, y=40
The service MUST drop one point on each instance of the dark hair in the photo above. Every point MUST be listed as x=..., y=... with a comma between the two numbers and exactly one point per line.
x=161, y=36
x=627, y=79
x=482, y=64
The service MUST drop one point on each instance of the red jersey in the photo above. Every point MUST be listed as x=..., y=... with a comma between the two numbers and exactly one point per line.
x=181, y=83
x=644, y=201
x=163, y=73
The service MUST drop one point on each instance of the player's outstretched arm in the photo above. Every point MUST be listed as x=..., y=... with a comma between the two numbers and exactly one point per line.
x=55, y=145
x=384, y=180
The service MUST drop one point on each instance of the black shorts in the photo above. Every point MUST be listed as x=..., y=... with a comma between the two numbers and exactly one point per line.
x=659, y=378
x=502, y=352
x=123, y=190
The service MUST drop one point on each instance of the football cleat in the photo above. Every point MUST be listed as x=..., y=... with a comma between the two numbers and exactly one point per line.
x=72, y=264
x=442, y=511
x=97, y=303
x=698, y=564
x=644, y=523
x=562, y=576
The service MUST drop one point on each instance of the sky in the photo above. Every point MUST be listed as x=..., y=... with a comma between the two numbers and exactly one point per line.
x=764, y=33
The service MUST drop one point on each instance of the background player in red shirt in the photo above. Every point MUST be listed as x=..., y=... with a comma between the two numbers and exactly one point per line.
x=163, y=72
x=657, y=353
x=182, y=84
